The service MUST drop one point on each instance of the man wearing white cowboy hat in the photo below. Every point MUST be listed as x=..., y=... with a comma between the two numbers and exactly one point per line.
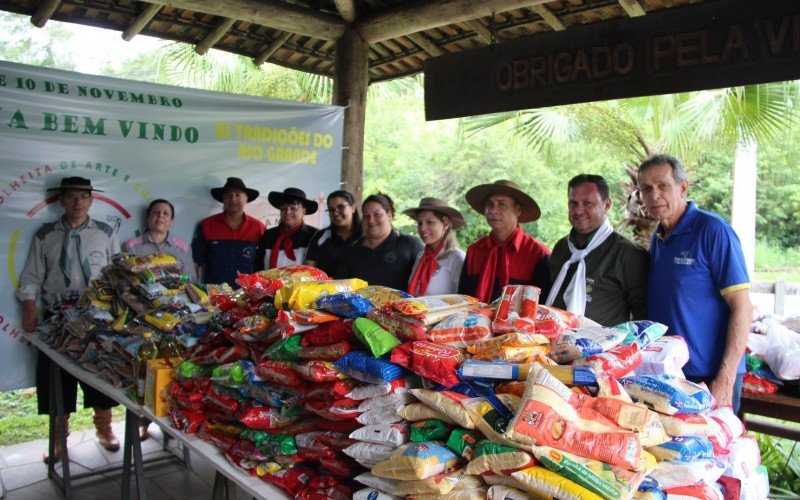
x=597, y=272
x=508, y=255
x=225, y=243
x=65, y=256
x=288, y=242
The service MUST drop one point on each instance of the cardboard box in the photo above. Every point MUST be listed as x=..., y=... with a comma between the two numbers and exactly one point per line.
x=159, y=376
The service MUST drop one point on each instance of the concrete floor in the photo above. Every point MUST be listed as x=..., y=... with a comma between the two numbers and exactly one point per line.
x=23, y=475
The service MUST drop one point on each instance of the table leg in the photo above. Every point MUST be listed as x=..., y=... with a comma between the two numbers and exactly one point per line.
x=132, y=424
x=220, y=487
x=57, y=395
x=126, y=461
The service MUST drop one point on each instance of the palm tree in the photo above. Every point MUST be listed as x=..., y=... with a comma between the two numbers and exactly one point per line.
x=737, y=118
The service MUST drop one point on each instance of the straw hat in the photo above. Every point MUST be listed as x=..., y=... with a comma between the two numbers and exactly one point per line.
x=437, y=205
x=476, y=198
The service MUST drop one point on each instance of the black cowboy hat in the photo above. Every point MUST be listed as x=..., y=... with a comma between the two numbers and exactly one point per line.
x=233, y=183
x=277, y=199
x=74, y=183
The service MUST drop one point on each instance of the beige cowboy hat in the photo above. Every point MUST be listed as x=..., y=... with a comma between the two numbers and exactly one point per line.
x=476, y=198
x=437, y=205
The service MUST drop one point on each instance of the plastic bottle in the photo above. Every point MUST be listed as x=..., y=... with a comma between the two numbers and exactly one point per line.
x=147, y=351
x=169, y=347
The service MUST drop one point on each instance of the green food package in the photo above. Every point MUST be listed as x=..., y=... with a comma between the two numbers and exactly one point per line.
x=285, y=349
x=463, y=442
x=233, y=373
x=432, y=429
x=753, y=363
x=271, y=444
x=374, y=336
x=187, y=369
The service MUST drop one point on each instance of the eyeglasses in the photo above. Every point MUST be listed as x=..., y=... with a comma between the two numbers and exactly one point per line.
x=337, y=208
x=77, y=196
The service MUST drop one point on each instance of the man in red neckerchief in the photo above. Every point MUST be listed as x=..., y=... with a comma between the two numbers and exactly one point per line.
x=508, y=255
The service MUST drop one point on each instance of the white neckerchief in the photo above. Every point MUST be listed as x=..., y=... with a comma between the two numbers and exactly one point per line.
x=575, y=294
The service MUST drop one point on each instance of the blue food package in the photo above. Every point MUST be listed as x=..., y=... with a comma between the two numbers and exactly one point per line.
x=684, y=449
x=362, y=366
x=668, y=394
x=642, y=332
x=346, y=304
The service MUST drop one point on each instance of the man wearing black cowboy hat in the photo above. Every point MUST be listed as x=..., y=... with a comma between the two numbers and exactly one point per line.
x=288, y=242
x=225, y=243
x=65, y=256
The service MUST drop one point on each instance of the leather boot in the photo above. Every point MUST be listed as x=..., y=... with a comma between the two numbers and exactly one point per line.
x=102, y=425
x=57, y=448
x=143, y=431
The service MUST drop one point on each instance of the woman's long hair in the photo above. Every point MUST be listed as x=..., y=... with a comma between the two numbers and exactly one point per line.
x=348, y=196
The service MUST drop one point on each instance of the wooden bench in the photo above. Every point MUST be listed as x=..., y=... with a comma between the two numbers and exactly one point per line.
x=781, y=406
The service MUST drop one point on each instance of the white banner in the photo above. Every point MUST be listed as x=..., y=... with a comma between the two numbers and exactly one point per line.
x=138, y=142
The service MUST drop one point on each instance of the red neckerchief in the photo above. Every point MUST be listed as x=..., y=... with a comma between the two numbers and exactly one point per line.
x=495, y=266
x=427, y=266
x=283, y=241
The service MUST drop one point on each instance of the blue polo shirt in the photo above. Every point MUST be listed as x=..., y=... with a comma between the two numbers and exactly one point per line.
x=690, y=272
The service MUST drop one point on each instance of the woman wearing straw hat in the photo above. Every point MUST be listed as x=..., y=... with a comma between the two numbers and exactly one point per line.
x=438, y=268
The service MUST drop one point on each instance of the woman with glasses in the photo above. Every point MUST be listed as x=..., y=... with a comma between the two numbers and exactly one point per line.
x=438, y=268
x=287, y=243
x=382, y=256
x=328, y=244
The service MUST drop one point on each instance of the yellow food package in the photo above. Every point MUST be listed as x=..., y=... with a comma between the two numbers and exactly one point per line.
x=546, y=483
x=515, y=339
x=488, y=420
x=415, y=461
x=164, y=321
x=156, y=386
x=304, y=295
x=440, y=484
x=415, y=412
x=449, y=403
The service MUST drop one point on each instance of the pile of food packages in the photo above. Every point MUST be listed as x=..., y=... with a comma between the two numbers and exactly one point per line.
x=338, y=389
x=773, y=355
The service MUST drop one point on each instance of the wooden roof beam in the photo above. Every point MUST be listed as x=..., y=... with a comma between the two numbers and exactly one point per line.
x=269, y=13
x=549, y=17
x=632, y=7
x=347, y=9
x=482, y=31
x=425, y=44
x=44, y=12
x=427, y=14
x=148, y=13
x=214, y=36
x=272, y=48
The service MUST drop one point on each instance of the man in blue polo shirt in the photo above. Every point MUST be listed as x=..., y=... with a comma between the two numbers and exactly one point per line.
x=225, y=243
x=698, y=284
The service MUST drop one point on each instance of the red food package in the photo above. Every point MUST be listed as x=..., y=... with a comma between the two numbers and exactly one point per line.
x=329, y=333
x=341, y=409
x=318, y=371
x=324, y=481
x=340, y=466
x=517, y=309
x=307, y=424
x=336, y=440
x=292, y=480
x=257, y=286
x=187, y=400
x=259, y=417
x=223, y=399
x=566, y=318
x=232, y=317
x=331, y=390
x=394, y=322
x=550, y=328
x=279, y=372
x=330, y=352
x=246, y=449
x=753, y=384
x=346, y=426
x=216, y=437
x=310, y=446
x=223, y=301
x=616, y=362
x=339, y=491
x=434, y=362
x=313, y=317
x=187, y=421
x=219, y=355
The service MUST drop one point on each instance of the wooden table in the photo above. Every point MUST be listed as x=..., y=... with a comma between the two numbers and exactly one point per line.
x=780, y=405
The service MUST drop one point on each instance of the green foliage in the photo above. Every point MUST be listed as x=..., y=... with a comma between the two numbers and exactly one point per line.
x=781, y=457
x=20, y=43
x=19, y=422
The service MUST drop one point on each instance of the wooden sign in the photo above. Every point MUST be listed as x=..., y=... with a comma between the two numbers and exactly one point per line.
x=710, y=45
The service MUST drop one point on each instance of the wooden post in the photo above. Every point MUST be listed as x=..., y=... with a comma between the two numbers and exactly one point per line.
x=350, y=81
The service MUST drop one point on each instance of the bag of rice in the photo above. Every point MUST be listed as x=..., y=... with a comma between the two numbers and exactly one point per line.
x=683, y=449
x=379, y=483
x=392, y=435
x=696, y=491
x=461, y=329
x=500, y=492
x=667, y=355
x=493, y=458
x=374, y=390
x=373, y=494
x=616, y=362
x=382, y=415
x=578, y=343
x=398, y=397
x=729, y=428
x=439, y=484
x=544, y=483
x=398, y=324
x=672, y=473
x=549, y=416
x=369, y=451
x=668, y=394
x=687, y=424
x=416, y=461
x=642, y=332
x=449, y=403
x=415, y=412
